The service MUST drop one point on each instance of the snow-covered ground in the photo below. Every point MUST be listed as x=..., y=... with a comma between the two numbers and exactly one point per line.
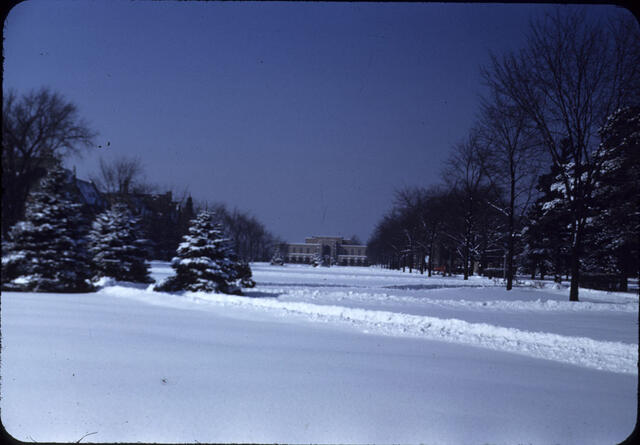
x=341, y=354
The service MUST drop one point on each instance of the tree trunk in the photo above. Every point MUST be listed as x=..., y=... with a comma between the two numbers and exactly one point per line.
x=623, y=282
x=466, y=261
x=510, y=245
x=575, y=262
x=510, y=263
x=575, y=277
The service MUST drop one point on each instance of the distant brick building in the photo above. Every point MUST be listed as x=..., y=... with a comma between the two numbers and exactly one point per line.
x=160, y=220
x=337, y=250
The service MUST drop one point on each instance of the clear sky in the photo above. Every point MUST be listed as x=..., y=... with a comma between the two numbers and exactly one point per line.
x=306, y=115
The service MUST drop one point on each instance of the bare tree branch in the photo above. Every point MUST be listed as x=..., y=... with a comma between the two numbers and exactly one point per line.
x=39, y=129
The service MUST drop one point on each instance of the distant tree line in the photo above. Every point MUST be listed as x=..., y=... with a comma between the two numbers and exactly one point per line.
x=49, y=215
x=252, y=240
x=166, y=216
x=55, y=249
x=547, y=180
x=41, y=128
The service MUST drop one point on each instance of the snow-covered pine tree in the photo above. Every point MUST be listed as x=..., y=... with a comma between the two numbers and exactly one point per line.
x=276, y=259
x=117, y=247
x=534, y=256
x=205, y=261
x=317, y=260
x=614, y=233
x=46, y=251
x=244, y=275
x=547, y=238
x=240, y=270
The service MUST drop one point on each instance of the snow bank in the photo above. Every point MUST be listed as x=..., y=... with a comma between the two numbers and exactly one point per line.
x=539, y=305
x=581, y=351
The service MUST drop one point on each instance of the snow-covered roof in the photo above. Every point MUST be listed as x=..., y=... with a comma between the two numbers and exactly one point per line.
x=89, y=192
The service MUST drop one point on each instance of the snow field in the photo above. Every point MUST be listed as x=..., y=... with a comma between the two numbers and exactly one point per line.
x=517, y=323
x=338, y=355
x=581, y=351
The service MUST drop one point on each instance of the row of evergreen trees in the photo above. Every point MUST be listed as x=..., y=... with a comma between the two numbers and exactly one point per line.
x=53, y=249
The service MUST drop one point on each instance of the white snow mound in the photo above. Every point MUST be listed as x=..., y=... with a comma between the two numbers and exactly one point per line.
x=581, y=351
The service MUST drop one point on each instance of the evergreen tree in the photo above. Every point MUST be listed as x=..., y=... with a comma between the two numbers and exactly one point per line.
x=116, y=246
x=243, y=274
x=46, y=251
x=317, y=260
x=205, y=261
x=546, y=237
x=186, y=215
x=614, y=232
x=276, y=259
x=534, y=256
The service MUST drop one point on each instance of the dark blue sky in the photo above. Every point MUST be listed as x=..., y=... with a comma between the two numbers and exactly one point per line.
x=307, y=115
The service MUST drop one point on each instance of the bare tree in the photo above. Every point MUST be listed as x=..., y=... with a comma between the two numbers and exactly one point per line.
x=355, y=239
x=39, y=129
x=387, y=242
x=180, y=194
x=407, y=208
x=512, y=162
x=453, y=223
x=464, y=172
x=422, y=219
x=122, y=176
x=433, y=221
x=570, y=76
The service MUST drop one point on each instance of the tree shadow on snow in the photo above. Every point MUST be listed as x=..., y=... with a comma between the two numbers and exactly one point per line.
x=428, y=286
x=306, y=284
x=259, y=294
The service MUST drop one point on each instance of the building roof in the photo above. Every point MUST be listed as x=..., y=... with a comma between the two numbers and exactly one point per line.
x=89, y=192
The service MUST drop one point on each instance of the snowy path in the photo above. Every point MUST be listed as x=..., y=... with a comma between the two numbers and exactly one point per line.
x=319, y=363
